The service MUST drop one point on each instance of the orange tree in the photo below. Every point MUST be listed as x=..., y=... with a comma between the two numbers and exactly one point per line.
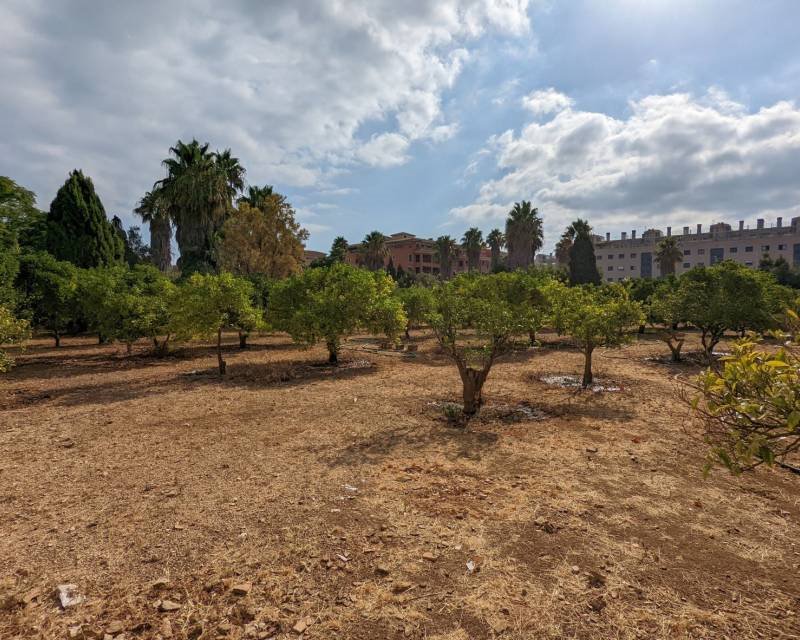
x=475, y=319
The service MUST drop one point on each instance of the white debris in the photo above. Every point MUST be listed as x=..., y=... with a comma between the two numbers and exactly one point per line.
x=68, y=595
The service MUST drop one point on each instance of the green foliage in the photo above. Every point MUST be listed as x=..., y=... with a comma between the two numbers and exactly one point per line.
x=330, y=303
x=668, y=254
x=475, y=320
x=524, y=235
x=77, y=228
x=582, y=261
x=21, y=223
x=594, y=317
x=204, y=305
x=472, y=243
x=751, y=407
x=13, y=331
x=726, y=296
x=417, y=303
x=47, y=289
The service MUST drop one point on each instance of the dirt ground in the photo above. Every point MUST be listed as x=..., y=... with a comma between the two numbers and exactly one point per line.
x=294, y=500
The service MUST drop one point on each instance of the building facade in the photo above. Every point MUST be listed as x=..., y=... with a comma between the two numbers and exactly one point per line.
x=632, y=257
x=419, y=255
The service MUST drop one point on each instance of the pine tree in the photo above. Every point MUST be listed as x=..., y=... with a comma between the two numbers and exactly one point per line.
x=77, y=228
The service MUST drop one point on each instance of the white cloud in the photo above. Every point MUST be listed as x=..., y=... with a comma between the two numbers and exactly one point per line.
x=674, y=159
x=546, y=101
x=289, y=85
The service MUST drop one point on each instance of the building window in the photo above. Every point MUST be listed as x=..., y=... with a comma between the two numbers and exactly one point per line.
x=748, y=249
x=410, y=258
x=781, y=247
x=621, y=268
x=610, y=267
x=416, y=258
x=621, y=256
x=426, y=257
x=748, y=264
x=733, y=250
x=610, y=257
x=633, y=268
x=687, y=252
x=686, y=265
x=765, y=247
x=426, y=269
x=701, y=252
x=460, y=264
x=633, y=255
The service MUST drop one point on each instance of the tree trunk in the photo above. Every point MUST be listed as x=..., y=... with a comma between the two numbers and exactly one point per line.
x=675, y=348
x=587, y=367
x=641, y=328
x=408, y=335
x=128, y=348
x=57, y=338
x=333, y=353
x=243, y=339
x=532, y=338
x=472, y=380
x=220, y=361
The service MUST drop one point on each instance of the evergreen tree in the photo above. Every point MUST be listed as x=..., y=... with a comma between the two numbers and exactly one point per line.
x=77, y=228
x=582, y=261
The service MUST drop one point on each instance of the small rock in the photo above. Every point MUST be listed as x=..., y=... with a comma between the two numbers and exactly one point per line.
x=75, y=632
x=159, y=584
x=68, y=595
x=300, y=626
x=575, y=569
x=168, y=605
x=401, y=586
x=591, y=449
x=382, y=570
x=241, y=588
x=115, y=628
x=429, y=556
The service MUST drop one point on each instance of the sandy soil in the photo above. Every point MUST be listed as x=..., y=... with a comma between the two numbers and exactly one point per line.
x=292, y=499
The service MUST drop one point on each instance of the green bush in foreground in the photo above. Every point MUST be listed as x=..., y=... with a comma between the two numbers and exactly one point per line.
x=12, y=332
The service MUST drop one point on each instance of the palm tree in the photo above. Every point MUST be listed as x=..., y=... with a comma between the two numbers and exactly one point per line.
x=233, y=171
x=197, y=193
x=153, y=213
x=338, y=250
x=496, y=241
x=374, y=251
x=668, y=253
x=472, y=243
x=446, y=249
x=257, y=196
x=524, y=234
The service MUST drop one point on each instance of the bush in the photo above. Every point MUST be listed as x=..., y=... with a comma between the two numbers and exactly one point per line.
x=12, y=332
x=417, y=303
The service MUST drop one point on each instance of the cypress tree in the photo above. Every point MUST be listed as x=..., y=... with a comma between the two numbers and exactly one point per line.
x=77, y=228
x=582, y=261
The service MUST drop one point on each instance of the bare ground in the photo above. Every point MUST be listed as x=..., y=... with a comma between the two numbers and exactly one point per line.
x=290, y=495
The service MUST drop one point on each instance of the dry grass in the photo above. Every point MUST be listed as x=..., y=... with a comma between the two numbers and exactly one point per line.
x=353, y=508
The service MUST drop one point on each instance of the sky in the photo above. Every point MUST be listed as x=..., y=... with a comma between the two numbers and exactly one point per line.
x=420, y=116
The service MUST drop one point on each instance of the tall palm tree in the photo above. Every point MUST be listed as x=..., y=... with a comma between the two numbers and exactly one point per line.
x=472, y=243
x=668, y=253
x=156, y=216
x=496, y=241
x=256, y=196
x=233, y=171
x=446, y=249
x=197, y=193
x=374, y=251
x=524, y=234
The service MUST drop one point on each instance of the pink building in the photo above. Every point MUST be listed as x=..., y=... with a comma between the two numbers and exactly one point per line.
x=418, y=255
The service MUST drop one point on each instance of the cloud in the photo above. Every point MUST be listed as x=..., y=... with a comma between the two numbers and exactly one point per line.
x=674, y=158
x=289, y=85
x=546, y=101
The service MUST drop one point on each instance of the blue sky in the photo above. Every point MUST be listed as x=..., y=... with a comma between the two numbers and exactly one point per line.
x=426, y=117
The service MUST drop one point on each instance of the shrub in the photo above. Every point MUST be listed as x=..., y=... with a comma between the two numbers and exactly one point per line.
x=12, y=332
x=417, y=303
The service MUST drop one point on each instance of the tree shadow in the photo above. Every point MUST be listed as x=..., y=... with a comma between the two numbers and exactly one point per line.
x=453, y=442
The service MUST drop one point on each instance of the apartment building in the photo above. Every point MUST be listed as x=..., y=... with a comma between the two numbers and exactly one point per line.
x=418, y=255
x=632, y=257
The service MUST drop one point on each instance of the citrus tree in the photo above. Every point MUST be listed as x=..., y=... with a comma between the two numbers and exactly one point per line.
x=417, y=301
x=47, y=289
x=750, y=407
x=13, y=331
x=205, y=305
x=594, y=317
x=475, y=319
x=330, y=303
x=665, y=308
